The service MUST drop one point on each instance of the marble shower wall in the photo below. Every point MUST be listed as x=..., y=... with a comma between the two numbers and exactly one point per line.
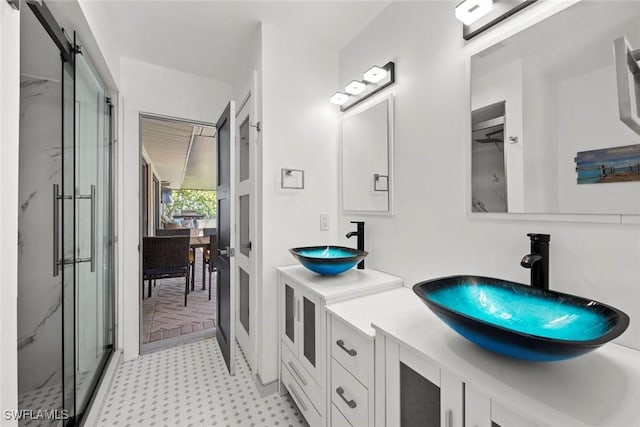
x=39, y=293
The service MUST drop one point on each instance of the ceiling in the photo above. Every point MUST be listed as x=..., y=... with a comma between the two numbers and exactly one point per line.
x=182, y=153
x=209, y=38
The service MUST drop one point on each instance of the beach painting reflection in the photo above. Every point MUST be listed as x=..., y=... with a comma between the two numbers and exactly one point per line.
x=617, y=164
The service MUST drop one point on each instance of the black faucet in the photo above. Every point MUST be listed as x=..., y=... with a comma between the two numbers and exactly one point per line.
x=538, y=260
x=360, y=233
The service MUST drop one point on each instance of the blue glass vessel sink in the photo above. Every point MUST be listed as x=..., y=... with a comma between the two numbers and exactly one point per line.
x=328, y=260
x=519, y=321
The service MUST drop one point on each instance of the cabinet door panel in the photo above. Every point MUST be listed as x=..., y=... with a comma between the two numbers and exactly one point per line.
x=289, y=318
x=309, y=333
x=477, y=407
x=451, y=399
x=419, y=399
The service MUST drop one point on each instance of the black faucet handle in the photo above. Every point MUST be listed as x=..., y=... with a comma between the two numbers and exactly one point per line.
x=537, y=237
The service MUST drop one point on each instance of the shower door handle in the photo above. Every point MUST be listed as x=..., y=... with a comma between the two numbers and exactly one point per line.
x=92, y=256
x=56, y=230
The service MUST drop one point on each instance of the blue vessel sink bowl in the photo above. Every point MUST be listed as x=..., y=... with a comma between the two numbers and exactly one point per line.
x=519, y=321
x=328, y=260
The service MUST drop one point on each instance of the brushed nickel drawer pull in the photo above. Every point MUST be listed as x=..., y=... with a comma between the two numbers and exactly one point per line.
x=295, y=371
x=351, y=403
x=300, y=401
x=350, y=352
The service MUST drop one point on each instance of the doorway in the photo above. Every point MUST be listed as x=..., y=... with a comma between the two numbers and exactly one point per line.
x=488, y=162
x=178, y=197
x=65, y=280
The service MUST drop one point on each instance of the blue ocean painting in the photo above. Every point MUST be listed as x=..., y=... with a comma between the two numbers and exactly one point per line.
x=618, y=164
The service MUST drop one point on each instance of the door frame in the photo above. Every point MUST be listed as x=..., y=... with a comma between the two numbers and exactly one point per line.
x=143, y=156
x=9, y=161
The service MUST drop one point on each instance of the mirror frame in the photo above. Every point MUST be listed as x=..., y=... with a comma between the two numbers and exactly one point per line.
x=369, y=103
x=533, y=15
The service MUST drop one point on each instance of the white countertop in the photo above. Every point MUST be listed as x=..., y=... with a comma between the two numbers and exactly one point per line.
x=342, y=286
x=360, y=312
x=601, y=388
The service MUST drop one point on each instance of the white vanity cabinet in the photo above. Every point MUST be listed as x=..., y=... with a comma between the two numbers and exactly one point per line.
x=426, y=371
x=303, y=326
x=351, y=344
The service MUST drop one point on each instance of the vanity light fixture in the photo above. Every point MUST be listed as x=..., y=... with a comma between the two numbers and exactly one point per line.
x=374, y=74
x=339, y=98
x=478, y=16
x=375, y=79
x=355, y=88
x=469, y=11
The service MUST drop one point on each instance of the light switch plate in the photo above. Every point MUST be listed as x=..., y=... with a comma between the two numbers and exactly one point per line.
x=324, y=221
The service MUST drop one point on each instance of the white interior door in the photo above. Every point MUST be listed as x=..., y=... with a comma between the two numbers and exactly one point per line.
x=246, y=136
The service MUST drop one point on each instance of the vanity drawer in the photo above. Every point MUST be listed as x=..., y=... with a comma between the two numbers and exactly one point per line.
x=302, y=377
x=353, y=350
x=337, y=419
x=300, y=398
x=349, y=395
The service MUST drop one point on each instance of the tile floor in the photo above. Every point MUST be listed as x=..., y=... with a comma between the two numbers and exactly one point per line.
x=165, y=315
x=41, y=399
x=189, y=386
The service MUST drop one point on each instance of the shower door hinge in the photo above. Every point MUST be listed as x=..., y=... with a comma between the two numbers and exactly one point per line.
x=15, y=4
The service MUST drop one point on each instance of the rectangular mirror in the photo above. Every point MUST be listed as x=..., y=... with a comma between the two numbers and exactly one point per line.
x=367, y=147
x=542, y=100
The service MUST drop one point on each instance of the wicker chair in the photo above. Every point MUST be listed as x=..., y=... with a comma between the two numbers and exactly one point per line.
x=206, y=252
x=173, y=232
x=165, y=257
x=192, y=252
x=208, y=259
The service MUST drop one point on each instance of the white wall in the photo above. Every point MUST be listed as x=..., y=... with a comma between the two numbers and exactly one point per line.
x=299, y=132
x=587, y=119
x=9, y=123
x=158, y=90
x=431, y=235
x=540, y=148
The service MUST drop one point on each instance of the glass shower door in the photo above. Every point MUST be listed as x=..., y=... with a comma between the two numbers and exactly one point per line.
x=87, y=230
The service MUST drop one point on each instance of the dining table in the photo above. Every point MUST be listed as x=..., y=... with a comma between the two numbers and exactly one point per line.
x=199, y=242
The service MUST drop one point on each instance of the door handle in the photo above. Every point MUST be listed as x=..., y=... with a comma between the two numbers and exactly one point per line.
x=227, y=251
x=350, y=351
x=448, y=418
x=56, y=230
x=350, y=403
x=92, y=257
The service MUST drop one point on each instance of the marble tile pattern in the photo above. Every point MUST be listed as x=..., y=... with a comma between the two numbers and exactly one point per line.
x=164, y=314
x=189, y=386
x=39, y=293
